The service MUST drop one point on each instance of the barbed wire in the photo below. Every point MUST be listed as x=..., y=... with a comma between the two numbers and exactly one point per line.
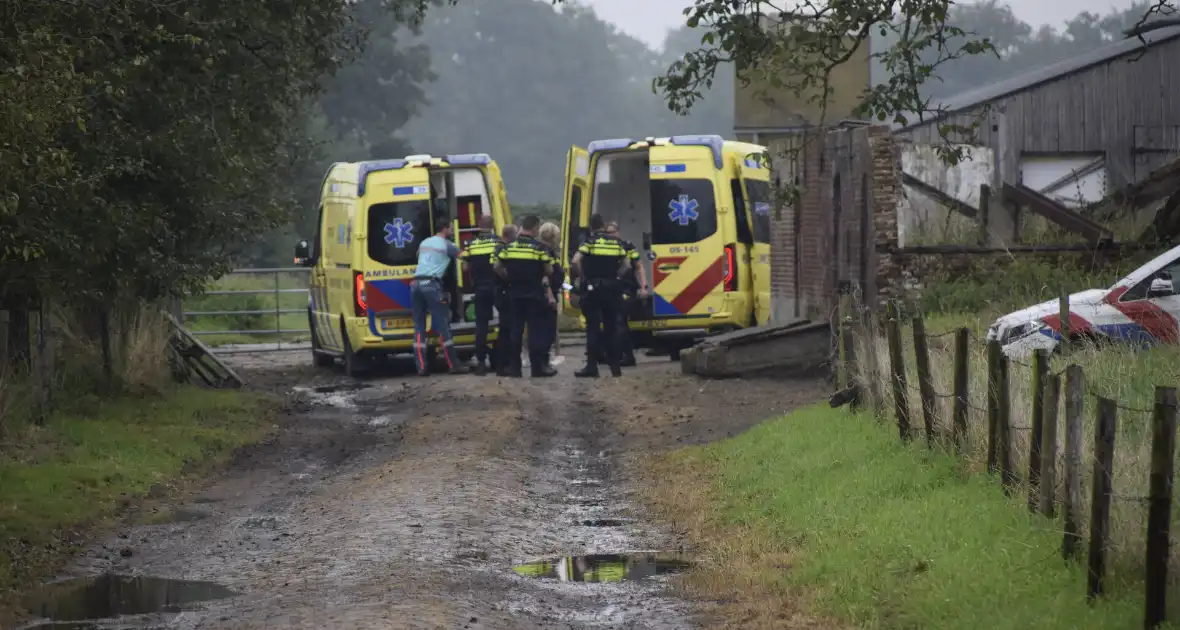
x=1125, y=407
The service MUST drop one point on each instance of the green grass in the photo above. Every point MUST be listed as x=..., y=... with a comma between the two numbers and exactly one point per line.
x=73, y=472
x=893, y=536
x=251, y=302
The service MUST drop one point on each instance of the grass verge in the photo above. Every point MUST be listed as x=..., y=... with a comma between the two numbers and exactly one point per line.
x=76, y=471
x=1118, y=372
x=825, y=515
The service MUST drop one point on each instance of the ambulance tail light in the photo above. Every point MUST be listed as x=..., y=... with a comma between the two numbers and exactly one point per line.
x=729, y=268
x=358, y=295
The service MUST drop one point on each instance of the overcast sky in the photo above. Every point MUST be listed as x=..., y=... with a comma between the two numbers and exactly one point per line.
x=650, y=19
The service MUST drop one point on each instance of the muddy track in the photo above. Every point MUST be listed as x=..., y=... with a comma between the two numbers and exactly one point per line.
x=398, y=502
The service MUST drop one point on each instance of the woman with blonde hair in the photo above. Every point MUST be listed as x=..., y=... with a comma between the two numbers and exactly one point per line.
x=550, y=236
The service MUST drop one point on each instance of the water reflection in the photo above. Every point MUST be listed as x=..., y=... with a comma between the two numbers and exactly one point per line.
x=606, y=567
x=109, y=596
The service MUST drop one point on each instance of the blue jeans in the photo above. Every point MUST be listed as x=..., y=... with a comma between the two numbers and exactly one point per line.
x=427, y=297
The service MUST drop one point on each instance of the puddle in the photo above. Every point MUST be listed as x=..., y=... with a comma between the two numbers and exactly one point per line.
x=70, y=625
x=603, y=522
x=606, y=567
x=110, y=596
x=184, y=515
x=387, y=420
x=342, y=387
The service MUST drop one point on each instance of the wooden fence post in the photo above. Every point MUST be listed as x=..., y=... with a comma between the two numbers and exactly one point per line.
x=1040, y=380
x=104, y=327
x=870, y=364
x=842, y=376
x=1100, y=495
x=925, y=380
x=897, y=372
x=1063, y=316
x=1159, y=511
x=1004, y=424
x=1048, y=458
x=852, y=368
x=962, y=361
x=985, y=198
x=1072, y=505
x=995, y=356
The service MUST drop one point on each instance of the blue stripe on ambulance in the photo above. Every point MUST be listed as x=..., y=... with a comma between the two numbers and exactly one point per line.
x=668, y=168
x=402, y=191
x=662, y=307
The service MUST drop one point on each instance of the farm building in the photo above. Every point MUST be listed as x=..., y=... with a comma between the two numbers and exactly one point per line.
x=1081, y=127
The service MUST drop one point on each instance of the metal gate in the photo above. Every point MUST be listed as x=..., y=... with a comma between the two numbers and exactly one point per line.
x=238, y=315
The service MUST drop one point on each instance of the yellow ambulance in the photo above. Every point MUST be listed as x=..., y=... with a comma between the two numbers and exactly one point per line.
x=698, y=207
x=372, y=217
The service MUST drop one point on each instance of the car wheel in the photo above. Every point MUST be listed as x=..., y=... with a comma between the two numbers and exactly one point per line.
x=674, y=354
x=318, y=359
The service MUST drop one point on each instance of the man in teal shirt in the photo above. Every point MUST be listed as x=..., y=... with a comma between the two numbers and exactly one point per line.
x=435, y=255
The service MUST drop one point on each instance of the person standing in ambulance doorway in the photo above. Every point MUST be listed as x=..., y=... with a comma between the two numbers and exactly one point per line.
x=600, y=263
x=526, y=265
x=428, y=295
x=477, y=258
x=634, y=288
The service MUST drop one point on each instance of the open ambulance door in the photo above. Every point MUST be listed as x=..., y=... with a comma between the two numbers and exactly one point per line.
x=575, y=212
x=501, y=195
x=755, y=177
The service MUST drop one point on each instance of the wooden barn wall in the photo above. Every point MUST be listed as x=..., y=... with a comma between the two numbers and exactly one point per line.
x=1100, y=109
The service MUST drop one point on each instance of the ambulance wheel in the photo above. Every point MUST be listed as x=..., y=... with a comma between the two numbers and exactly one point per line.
x=318, y=358
x=354, y=365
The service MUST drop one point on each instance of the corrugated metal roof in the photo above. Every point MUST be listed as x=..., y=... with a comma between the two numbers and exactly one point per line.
x=1052, y=72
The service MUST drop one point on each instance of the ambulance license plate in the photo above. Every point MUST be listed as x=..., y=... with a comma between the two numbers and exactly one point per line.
x=395, y=324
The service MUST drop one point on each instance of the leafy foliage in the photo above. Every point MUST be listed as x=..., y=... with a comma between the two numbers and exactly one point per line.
x=142, y=140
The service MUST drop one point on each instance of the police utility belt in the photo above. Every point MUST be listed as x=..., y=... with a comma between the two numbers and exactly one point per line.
x=602, y=284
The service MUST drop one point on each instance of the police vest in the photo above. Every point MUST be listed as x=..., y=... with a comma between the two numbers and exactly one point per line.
x=478, y=256
x=602, y=255
x=524, y=260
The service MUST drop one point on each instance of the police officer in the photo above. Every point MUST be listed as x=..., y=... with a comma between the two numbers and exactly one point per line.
x=526, y=265
x=503, y=309
x=634, y=287
x=477, y=258
x=600, y=263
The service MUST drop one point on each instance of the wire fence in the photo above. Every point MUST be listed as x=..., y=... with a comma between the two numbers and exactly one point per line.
x=1058, y=455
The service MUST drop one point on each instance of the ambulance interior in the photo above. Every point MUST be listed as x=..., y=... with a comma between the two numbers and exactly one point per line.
x=464, y=193
x=622, y=193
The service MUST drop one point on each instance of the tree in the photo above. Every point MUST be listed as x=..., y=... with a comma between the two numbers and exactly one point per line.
x=142, y=142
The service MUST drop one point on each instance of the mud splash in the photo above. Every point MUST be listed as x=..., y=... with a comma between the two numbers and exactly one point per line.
x=113, y=596
x=606, y=567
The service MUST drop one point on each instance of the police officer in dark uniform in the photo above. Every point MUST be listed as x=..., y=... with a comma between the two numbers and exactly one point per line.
x=526, y=265
x=633, y=284
x=600, y=263
x=477, y=258
x=503, y=309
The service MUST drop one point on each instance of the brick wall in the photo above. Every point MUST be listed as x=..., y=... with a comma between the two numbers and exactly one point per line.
x=849, y=180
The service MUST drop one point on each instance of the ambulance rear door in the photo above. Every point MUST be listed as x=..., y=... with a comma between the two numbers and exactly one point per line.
x=690, y=260
x=575, y=212
x=755, y=176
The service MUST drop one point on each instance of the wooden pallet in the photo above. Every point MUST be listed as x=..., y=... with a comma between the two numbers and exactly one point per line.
x=799, y=347
x=192, y=360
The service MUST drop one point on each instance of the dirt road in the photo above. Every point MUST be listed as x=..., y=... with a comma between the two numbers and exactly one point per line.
x=400, y=502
